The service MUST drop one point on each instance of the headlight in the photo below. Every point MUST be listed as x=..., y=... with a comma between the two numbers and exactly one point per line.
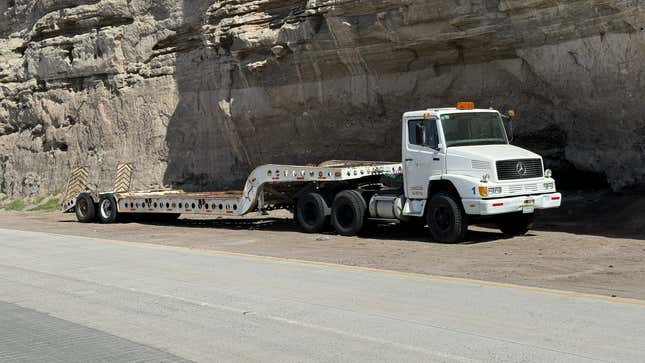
x=549, y=186
x=485, y=191
x=548, y=173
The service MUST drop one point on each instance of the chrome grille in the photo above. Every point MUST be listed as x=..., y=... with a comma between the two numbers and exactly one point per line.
x=519, y=169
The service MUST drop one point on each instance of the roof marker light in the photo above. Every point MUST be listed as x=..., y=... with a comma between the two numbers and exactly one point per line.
x=465, y=105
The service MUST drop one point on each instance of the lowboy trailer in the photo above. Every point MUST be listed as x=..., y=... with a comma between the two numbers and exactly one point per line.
x=268, y=187
x=458, y=168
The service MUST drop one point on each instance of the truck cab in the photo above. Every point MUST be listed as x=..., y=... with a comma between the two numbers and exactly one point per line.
x=459, y=166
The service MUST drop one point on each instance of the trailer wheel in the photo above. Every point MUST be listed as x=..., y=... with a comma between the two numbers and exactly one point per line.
x=107, y=209
x=516, y=224
x=348, y=212
x=312, y=213
x=446, y=219
x=85, y=208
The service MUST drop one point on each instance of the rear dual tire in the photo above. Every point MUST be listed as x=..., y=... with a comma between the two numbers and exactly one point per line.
x=312, y=213
x=348, y=213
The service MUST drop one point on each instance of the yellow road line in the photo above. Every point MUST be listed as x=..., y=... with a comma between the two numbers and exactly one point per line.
x=455, y=280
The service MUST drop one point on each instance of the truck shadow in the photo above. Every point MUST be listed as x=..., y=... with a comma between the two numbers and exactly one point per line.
x=597, y=213
x=401, y=233
x=601, y=214
x=384, y=232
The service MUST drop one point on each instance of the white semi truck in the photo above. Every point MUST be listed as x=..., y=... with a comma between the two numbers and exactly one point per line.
x=457, y=168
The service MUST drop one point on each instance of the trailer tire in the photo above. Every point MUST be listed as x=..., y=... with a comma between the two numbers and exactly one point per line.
x=85, y=208
x=516, y=224
x=348, y=212
x=446, y=219
x=312, y=213
x=107, y=210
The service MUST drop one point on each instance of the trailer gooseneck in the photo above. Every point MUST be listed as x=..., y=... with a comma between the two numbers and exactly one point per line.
x=458, y=168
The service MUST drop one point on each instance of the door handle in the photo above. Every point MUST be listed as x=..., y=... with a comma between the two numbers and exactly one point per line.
x=436, y=159
x=409, y=159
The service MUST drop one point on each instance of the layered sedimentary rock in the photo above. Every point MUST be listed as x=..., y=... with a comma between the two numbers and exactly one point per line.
x=196, y=93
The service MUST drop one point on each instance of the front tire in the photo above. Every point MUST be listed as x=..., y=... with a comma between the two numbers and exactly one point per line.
x=107, y=211
x=516, y=224
x=85, y=209
x=312, y=213
x=348, y=213
x=446, y=219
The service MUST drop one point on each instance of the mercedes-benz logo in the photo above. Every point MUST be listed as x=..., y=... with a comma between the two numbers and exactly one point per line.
x=520, y=168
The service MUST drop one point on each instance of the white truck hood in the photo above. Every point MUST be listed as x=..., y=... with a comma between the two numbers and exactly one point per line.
x=475, y=161
x=491, y=153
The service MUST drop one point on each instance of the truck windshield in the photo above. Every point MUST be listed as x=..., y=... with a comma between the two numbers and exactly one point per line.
x=475, y=128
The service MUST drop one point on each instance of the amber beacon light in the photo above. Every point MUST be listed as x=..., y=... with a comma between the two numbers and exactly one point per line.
x=465, y=105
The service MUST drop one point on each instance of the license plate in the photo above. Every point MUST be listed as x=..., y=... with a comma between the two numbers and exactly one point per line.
x=529, y=206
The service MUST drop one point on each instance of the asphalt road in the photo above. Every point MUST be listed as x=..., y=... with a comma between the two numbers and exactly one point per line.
x=66, y=298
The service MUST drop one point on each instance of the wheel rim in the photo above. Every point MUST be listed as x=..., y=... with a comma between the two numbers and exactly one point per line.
x=442, y=218
x=345, y=215
x=82, y=207
x=106, y=209
x=309, y=213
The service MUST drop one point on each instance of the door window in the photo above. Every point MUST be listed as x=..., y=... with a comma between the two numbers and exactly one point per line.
x=423, y=133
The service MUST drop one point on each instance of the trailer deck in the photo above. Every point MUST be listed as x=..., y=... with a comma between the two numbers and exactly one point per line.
x=267, y=187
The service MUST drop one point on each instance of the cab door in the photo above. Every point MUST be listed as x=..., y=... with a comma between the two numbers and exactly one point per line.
x=422, y=159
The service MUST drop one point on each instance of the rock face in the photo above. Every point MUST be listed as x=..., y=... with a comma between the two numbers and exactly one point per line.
x=196, y=93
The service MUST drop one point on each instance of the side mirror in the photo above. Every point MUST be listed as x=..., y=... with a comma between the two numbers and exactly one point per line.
x=509, y=117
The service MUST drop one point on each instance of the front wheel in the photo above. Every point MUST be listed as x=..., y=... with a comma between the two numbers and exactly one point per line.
x=446, y=219
x=515, y=224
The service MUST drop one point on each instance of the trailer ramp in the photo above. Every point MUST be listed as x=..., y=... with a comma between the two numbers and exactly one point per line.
x=76, y=184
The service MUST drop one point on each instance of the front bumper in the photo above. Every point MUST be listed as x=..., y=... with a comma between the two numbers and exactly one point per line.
x=486, y=207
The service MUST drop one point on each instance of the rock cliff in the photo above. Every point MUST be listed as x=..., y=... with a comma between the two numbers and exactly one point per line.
x=198, y=92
